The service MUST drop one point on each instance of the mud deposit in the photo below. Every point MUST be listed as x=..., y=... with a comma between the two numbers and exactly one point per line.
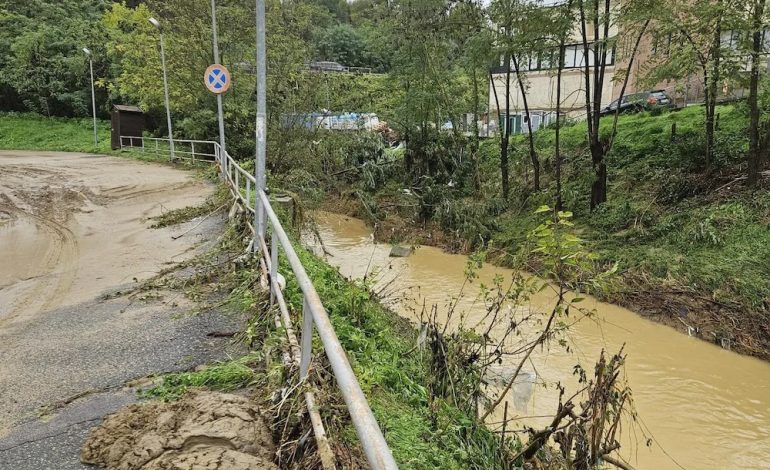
x=203, y=430
x=73, y=225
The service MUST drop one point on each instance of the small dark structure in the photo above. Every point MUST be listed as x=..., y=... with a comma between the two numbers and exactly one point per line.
x=126, y=121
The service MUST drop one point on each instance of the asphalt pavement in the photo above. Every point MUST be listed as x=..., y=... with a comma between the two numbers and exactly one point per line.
x=63, y=370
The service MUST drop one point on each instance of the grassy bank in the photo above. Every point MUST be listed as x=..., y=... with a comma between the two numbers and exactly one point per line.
x=27, y=131
x=693, y=248
x=422, y=432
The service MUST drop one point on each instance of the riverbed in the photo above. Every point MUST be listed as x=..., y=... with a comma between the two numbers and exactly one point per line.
x=699, y=406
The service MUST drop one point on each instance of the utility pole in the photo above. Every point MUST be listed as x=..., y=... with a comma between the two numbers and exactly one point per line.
x=155, y=23
x=216, y=61
x=261, y=126
x=93, y=94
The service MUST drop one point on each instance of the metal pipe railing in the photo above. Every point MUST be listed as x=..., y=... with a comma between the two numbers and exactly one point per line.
x=247, y=193
x=373, y=442
x=193, y=154
x=314, y=314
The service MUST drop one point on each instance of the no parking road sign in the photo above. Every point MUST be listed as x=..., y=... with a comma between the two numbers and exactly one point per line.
x=217, y=79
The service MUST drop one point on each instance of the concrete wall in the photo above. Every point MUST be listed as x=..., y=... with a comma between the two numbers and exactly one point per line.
x=541, y=92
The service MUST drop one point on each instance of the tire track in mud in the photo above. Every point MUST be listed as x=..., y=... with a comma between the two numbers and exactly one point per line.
x=60, y=265
x=74, y=225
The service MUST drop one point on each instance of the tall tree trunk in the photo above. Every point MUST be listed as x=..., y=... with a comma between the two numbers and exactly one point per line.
x=593, y=94
x=712, y=91
x=559, y=69
x=528, y=117
x=475, y=130
x=506, y=131
x=754, y=132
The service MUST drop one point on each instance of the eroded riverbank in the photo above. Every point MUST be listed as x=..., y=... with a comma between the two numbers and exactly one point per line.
x=702, y=406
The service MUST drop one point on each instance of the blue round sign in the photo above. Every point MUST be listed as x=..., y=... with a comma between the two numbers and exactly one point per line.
x=217, y=78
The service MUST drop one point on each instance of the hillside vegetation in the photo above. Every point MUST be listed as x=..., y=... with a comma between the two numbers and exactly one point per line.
x=28, y=131
x=692, y=247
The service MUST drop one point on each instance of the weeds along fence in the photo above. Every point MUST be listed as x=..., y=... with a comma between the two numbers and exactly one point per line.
x=254, y=201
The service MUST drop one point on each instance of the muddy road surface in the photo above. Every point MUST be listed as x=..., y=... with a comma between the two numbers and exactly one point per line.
x=74, y=227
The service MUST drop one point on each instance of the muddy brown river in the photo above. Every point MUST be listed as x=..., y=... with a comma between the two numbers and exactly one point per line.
x=701, y=407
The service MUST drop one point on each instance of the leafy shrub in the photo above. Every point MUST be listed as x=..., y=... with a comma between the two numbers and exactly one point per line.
x=613, y=216
x=473, y=220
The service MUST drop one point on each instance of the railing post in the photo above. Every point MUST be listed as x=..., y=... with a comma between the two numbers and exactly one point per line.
x=192, y=150
x=307, y=339
x=142, y=144
x=157, y=150
x=273, y=265
x=248, y=191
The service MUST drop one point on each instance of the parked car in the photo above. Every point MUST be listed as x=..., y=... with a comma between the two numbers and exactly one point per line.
x=641, y=101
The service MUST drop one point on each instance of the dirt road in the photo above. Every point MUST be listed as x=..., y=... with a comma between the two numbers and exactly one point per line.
x=72, y=227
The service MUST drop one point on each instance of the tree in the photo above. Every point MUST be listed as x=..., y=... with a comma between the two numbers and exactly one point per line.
x=432, y=86
x=344, y=44
x=42, y=67
x=562, y=28
x=503, y=16
x=505, y=123
x=597, y=19
x=132, y=45
x=756, y=22
x=533, y=40
x=597, y=44
x=694, y=33
x=477, y=53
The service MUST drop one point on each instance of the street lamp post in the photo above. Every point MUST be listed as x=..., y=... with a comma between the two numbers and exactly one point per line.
x=93, y=94
x=156, y=23
x=216, y=61
x=261, y=125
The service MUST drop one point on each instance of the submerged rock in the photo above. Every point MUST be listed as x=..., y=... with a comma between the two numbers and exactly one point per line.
x=400, y=251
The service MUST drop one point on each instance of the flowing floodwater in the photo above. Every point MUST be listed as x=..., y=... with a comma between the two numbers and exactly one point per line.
x=701, y=406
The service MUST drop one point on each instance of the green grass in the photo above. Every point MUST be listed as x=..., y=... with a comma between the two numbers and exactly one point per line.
x=663, y=217
x=665, y=223
x=26, y=131
x=225, y=377
x=379, y=345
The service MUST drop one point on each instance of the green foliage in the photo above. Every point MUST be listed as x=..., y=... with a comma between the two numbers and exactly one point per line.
x=226, y=377
x=344, y=44
x=23, y=131
x=42, y=66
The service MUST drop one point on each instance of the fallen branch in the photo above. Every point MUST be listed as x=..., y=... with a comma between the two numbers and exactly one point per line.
x=617, y=463
x=177, y=237
x=541, y=437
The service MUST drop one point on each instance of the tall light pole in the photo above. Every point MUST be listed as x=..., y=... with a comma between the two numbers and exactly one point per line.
x=216, y=61
x=93, y=95
x=261, y=125
x=155, y=23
